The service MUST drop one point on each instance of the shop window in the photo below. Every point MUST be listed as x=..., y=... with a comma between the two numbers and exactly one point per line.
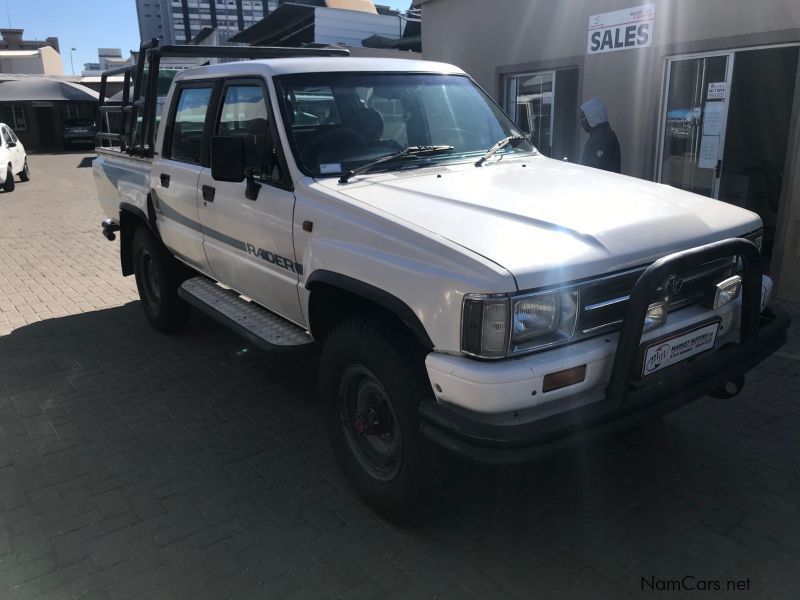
x=545, y=106
x=14, y=117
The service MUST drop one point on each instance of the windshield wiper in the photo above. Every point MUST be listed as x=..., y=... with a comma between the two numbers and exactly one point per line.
x=410, y=151
x=514, y=140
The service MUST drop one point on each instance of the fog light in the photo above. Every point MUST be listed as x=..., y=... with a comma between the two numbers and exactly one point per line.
x=727, y=291
x=656, y=315
x=561, y=379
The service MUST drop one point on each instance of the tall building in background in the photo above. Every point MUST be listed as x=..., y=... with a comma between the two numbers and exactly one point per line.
x=178, y=21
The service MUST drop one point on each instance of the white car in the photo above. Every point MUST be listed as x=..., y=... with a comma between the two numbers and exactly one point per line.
x=467, y=292
x=13, y=160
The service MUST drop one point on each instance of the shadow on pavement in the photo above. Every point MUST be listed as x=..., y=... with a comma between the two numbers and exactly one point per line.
x=199, y=444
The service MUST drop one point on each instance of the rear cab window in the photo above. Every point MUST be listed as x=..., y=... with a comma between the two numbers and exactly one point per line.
x=188, y=125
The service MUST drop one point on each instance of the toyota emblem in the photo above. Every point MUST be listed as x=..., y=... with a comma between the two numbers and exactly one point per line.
x=673, y=285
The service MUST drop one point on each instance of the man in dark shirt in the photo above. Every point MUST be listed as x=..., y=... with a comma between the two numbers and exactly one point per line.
x=602, y=149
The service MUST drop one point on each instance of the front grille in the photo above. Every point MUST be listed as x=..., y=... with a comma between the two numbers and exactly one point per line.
x=604, y=301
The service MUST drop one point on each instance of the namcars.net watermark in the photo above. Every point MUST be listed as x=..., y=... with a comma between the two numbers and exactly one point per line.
x=690, y=583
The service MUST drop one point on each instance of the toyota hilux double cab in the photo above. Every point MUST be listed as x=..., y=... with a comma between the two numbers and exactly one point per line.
x=468, y=293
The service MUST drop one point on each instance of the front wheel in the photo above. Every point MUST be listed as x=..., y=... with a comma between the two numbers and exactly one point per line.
x=372, y=379
x=158, y=276
x=8, y=185
x=25, y=174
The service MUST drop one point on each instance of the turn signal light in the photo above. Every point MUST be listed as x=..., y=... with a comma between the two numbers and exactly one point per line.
x=561, y=379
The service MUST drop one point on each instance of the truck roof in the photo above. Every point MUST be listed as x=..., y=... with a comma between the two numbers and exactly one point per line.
x=325, y=64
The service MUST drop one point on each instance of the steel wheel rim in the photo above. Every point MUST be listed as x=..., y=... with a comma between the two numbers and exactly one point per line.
x=370, y=423
x=150, y=280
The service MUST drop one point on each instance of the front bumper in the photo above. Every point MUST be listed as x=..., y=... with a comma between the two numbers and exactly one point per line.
x=626, y=400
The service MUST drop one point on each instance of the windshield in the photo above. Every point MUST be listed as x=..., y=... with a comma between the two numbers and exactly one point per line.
x=340, y=121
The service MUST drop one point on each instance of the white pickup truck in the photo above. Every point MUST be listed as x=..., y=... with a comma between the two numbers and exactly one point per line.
x=467, y=292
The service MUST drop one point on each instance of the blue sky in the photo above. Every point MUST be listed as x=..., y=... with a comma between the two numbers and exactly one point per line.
x=86, y=25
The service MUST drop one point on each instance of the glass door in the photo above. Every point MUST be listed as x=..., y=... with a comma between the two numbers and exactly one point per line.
x=530, y=104
x=694, y=122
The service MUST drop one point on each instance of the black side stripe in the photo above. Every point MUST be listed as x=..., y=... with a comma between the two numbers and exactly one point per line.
x=169, y=213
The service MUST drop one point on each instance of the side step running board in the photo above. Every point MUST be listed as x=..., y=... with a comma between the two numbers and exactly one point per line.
x=263, y=328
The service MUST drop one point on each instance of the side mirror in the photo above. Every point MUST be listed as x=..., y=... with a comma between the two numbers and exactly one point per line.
x=12, y=144
x=227, y=163
x=227, y=158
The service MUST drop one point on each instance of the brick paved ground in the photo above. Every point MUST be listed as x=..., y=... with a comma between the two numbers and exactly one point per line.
x=138, y=465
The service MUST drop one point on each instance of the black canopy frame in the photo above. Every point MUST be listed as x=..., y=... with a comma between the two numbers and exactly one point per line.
x=140, y=141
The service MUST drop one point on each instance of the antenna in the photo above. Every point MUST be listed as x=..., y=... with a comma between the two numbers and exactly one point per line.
x=8, y=13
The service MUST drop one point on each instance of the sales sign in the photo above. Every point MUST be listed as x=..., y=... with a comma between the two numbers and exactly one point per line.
x=622, y=29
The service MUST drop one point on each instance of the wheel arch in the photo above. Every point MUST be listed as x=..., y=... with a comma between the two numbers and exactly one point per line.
x=130, y=217
x=334, y=296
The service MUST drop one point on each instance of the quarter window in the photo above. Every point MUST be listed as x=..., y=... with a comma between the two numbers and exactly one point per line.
x=187, y=128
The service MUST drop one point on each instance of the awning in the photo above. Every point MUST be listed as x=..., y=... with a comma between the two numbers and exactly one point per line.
x=27, y=90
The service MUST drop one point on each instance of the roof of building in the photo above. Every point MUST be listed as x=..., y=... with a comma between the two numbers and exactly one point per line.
x=67, y=78
x=26, y=90
x=18, y=53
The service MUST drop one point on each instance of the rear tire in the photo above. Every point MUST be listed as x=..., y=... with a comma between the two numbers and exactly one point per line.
x=9, y=184
x=372, y=379
x=25, y=174
x=158, y=276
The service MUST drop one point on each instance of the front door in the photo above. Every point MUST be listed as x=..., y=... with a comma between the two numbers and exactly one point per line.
x=174, y=174
x=694, y=122
x=249, y=242
x=15, y=153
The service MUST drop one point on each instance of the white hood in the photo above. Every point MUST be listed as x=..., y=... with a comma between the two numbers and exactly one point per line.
x=547, y=221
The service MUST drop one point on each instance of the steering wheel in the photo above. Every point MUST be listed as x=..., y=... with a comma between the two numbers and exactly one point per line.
x=329, y=139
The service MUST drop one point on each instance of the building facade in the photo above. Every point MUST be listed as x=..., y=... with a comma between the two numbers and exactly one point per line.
x=12, y=40
x=179, y=21
x=703, y=96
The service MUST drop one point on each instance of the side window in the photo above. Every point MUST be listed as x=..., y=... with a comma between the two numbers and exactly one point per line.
x=6, y=137
x=244, y=114
x=187, y=128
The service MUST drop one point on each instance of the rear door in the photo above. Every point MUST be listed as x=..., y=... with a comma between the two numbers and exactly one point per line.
x=174, y=174
x=249, y=242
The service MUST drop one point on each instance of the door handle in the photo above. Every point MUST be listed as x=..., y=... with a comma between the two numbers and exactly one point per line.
x=208, y=193
x=164, y=180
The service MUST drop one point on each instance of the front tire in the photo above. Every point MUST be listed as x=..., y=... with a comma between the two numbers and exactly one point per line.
x=372, y=379
x=158, y=276
x=25, y=174
x=9, y=185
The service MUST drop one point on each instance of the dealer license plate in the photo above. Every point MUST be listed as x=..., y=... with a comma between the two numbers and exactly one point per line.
x=666, y=352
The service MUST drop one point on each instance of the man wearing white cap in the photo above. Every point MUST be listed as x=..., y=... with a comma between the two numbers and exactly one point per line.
x=602, y=149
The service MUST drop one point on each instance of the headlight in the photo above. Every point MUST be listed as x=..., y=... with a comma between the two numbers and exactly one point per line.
x=496, y=326
x=543, y=319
